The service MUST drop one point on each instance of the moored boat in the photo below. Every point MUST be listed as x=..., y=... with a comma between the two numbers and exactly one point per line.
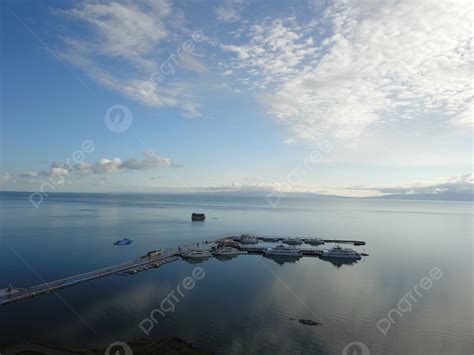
x=198, y=217
x=293, y=241
x=283, y=251
x=337, y=252
x=226, y=252
x=198, y=254
x=314, y=241
x=248, y=239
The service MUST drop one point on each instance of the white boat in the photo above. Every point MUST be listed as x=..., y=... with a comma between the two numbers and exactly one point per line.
x=314, y=241
x=293, y=241
x=284, y=251
x=248, y=239
x=231, y=244
x=337, y=252
x=198, y=254
x=226, y=251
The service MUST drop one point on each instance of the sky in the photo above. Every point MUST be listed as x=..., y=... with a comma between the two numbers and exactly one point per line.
x=354, y=98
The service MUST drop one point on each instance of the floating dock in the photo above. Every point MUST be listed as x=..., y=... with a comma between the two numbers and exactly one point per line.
x=273, y=239
x=153, y=259
x=251, y=249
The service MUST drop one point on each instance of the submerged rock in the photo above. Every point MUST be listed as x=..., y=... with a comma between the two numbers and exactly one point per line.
x=307, y=322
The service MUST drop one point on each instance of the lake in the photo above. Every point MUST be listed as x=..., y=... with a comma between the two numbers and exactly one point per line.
x=420, y=263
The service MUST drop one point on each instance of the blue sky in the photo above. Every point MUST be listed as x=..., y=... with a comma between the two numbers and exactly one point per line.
x=308, y=96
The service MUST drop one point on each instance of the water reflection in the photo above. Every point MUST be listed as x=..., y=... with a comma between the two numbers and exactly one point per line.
x=242, y=306
x=225, y=257
x=339, y=262
x=281, y=260
x=194, y=261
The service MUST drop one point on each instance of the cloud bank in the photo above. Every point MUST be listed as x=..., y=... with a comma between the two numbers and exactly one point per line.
x=102, y=166
x=133, y=48
x=346, y=66
x=362, y=63
x=456, y=188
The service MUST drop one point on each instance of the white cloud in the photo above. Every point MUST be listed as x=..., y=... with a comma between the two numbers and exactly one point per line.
x=55, y=169
x=4, y=177
x=355, y=65
x=124, y=30
x=103, y=166
x=369, y=63
x=127, y=45
x=114, y=165
x=228, y=11
x=460, y=187
x=276, y=52
x=29, y=174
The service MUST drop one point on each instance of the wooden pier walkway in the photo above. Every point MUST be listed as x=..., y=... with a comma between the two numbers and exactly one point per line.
x=21, y=294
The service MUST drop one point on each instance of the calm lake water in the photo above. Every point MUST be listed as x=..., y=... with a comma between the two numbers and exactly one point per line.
x=241, y=306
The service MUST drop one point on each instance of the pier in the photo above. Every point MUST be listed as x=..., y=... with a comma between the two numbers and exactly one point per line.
x=261, y=250
x=153, y=259
x=21, y=294
x=338, y=241
x=264, y=238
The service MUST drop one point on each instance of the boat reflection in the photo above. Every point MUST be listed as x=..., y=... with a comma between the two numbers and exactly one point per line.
x=225, y=257
x=339, y=262
x=194, y=261
x=281, y=260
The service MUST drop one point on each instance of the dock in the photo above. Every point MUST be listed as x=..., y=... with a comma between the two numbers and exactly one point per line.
x=24, y=293
x=339, y=241
x=280, y=239
x=261, y=250
x=153, y=259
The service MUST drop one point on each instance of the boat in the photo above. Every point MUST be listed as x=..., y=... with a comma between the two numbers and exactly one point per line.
x=293, y=241
x=198, y=217
x=283, y=251
x=124, y=241
x=198, y=254
x=314, y=241
x=248, y=239
x=226, y=251
x=337, y=252
x=231, y=243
